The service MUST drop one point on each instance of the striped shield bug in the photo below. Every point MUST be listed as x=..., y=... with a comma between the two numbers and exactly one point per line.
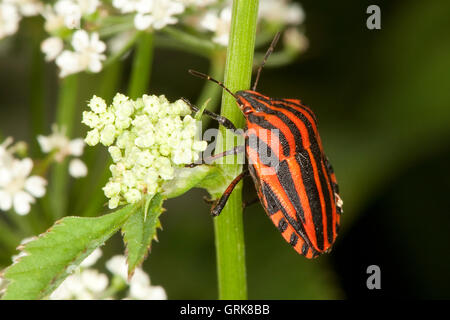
x=298, y=191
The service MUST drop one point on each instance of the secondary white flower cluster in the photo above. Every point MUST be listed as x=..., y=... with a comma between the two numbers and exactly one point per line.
x=87, y=283
x=62, y=19
x=147, y=138
x=151, y=13
x=139, y=285
x=75, y=26
x=87, y=55
x=67, y=14
x=62, y=147
x=277, y=12
x=283, y=12
x=18, y=189
x=11, y=12
x=67, y=22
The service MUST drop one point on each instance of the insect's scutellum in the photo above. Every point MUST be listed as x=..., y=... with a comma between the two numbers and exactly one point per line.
x=299, y=192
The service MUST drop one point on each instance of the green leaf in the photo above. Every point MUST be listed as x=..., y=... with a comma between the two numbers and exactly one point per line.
x=139, y=231
x=56, y=253
x=208, y=177
x=199, y=113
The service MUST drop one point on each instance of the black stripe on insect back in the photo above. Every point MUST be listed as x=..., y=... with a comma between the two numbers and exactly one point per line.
x=260, y=121
x=275, y=205
x=307, y=169
x=325, y=192
x=258, y=105
x=293, y=240
x=264, y=151
x=312, y=193
x=318, y=158
x=285, y=178
x=282, y=225
x=303, y=107
x=304, y=249
x=330, y=171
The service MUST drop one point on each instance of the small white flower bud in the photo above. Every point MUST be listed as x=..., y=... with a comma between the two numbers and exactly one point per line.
x=141, y=122
x=125, y=140
x=113, y=202
x=125, y=109
x=115, y=153
x=108, y=135
x=93, y=137
x=199, y=146
x=91, y=119
x=122, y=123
x=118, y=100
x=164, y=149
x=145, y=158
x=97, y=104
x=117, y=169
x=132, y=195
x=181, y=108
x=107, y=118
x=145, y=141
x=111, y=189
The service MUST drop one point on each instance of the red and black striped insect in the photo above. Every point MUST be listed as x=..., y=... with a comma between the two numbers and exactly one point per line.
x=298, y=191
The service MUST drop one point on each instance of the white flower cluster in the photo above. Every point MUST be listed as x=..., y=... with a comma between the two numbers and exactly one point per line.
x=87, y=54
x=147, y=138
x=139, y=284
x=67, y=14
x=151, y=13
x=17, y=188
x=62, y=147
x=218, y=22
x=11, y=12
x=87, y=283
x=88, y=50
x=280, y=12
x=75, y=26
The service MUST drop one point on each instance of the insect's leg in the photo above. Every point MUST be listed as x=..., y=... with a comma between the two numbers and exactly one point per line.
x=208, y=160
x=222, y=120
x=335, y=185
x=220, y=204
x=208, y=200
x=332, y=175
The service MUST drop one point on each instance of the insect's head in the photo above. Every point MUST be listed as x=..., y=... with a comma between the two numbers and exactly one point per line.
x=245, y=100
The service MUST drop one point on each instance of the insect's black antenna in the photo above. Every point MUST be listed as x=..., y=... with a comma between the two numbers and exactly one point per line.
x=268, y=53
x=205, y=76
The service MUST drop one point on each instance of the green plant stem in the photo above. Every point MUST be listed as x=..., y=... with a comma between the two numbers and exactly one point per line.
x=184, y=41
x=37, y=104
x=119, y=54
x=8, y=237
x=142, y=64
x=229, y=225
x=21, y=223
x=65, y=118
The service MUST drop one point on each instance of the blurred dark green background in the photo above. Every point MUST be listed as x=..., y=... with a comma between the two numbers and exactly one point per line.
x=382, y=98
